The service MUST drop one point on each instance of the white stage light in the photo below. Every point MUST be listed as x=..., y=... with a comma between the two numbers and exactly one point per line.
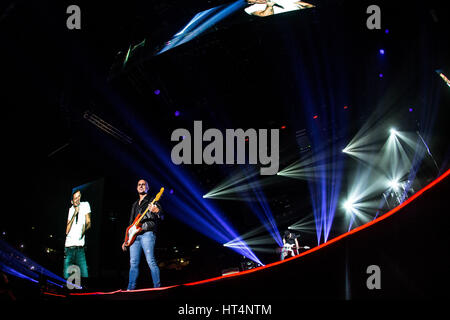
x=393, y=184
x=348, y=205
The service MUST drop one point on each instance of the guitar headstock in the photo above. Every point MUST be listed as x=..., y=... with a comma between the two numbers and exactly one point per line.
x=159, y=194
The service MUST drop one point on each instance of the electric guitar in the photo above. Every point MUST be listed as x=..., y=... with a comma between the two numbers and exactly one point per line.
x=134, y=229
x=288, y=247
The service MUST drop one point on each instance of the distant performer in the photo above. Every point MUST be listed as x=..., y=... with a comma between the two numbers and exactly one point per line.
x=263, y=8
x=290, y=245
x=78, y=222
x=145, y=241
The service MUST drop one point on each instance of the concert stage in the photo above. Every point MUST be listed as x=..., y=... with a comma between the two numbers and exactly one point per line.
x=196, y=144
x=409, y=244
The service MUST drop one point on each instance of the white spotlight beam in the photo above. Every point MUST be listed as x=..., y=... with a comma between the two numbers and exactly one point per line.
x=238, y=192
x=236, y=177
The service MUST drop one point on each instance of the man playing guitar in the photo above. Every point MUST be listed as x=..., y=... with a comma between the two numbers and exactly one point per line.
x=290, y=245
x=146, y=239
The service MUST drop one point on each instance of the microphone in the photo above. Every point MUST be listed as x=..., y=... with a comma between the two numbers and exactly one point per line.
x=76, y=214
x=278, y=5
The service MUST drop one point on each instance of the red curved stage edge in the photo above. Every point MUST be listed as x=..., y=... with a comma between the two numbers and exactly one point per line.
x=334, y=240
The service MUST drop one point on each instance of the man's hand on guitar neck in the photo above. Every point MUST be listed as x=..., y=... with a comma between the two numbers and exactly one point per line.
x=153, y=208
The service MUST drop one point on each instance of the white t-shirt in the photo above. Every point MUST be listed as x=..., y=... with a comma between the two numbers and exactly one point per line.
x=73, y=237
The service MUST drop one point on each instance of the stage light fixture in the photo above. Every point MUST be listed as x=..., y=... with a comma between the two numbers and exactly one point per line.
x=394, y=184
x=393, y=131
x=381, y=51
x=348, y=205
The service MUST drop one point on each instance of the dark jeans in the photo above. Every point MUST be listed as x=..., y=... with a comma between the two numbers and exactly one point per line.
x=75, y=256
x=144, y=242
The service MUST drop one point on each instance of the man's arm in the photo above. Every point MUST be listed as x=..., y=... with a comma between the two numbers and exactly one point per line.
x=87, y=224
x=156, y=208
x=69, y=224
x=132, y=214
x=88, y=220
x=124, y=247
x=154, y=213
x=268, y=11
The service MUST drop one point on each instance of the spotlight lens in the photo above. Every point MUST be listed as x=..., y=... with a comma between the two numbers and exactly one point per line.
x=393, y=131
x=393, y=184
x=348, y=205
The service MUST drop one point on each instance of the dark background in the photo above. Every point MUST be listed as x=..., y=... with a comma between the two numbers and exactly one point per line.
x=245, y=73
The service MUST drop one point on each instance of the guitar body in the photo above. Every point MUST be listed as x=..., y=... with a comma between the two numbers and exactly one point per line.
x=135, y=228
x=132, y=231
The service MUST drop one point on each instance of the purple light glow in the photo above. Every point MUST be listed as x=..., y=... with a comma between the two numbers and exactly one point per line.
x=157, y=91
x=381, y=51
x=177, y=113
x=381, y=75
x=410, y=109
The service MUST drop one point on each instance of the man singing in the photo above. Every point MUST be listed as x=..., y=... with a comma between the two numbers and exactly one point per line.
x=78, y=222
x=146, y=239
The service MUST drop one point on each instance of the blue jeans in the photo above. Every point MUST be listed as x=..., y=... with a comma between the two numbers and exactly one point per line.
x=76, y=256
x=146, y=242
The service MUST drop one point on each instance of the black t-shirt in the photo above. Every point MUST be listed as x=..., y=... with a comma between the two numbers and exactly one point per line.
x=289, y=240
x=151, y=220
